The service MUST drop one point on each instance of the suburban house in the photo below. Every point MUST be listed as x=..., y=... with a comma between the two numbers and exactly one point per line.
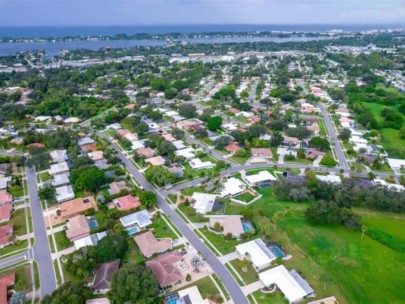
x=61, y=179
x=103, y=276
x=165, y=268
x=78, y=228
x=137, y=221
x=4, y=182
x=64, y=193
x=197, y=164
x=232, y=187
x=116, y=187
x=59, y=168
x=203, y=202
x=187, y=153
x=290, y=283
x=262, y=152
x=5, y=212
x=263, y=177
x=6, y=281
x=191, y=123
x=229, y=224
x=149, y=245
x=96, y=155
x=156, y=161
x=5, y=198
x=59, y=156
x=90, y=240
x=77, y=206
x=126, y=202
x=190, y=295
x=257, y=252
x=145, y=152
x=98, y=301
x=5, y=232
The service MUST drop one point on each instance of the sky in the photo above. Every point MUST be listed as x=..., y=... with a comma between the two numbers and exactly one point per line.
x=174, y=12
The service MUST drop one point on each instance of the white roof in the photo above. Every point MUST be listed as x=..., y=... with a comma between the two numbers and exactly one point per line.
x=136, y=144
x=203, y=202
x=230, y=126
x=197, y=164
x=257, y=252
x=396, y=163
x=59, y=168
x=358, y=140
x=171, y=113
x=131, y=136
x=64, y=193
x=187, y=153
x=85, y=141
x=61, y=179
x=90, y=240
x=71, y=120
x=4, y=182
x=178, y=144
x=262, y=176
x=58, y=156
x=232, y=187
x=334, y=179
x=140, y=218
x=285, y=282
x=194, y=294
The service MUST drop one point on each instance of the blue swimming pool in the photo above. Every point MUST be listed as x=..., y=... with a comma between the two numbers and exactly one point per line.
x=246, y=228
x=276, y=251
x=93, y=224
x=132, y=230
x=264, y=185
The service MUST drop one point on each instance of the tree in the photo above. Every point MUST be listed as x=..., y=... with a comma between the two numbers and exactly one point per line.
x=276, y=139
x=176, y=132
x=244, y=94
x=166, y=147
x=160, y=176
x=141, y=128
x=148, y=198
x=201, y=133
x=241, y=152
x=257, y=129
x=217, y=226
x=319, y=143
x=47, y=193
x=214, y=123
x=111, y=247
x=221, y=142
x=402, y=133
x=299, y=132
x=69, y=293
x=82, y=262
x=133, y=283
x=328, y=161
x=187, y=110
x=18, y=298
x=89, y=179
x=345, y=134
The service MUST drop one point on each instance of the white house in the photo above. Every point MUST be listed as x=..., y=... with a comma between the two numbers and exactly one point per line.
x=59, y=156
x=232, y=187
x=203, y=202
x=291, y=284
x=64, y=193
x=333, y=179
x=187, y=153
x=197, y=164
x=259, y=178
x=257, y=252
x=59, y=168
x=61, y=179
x=90, y=240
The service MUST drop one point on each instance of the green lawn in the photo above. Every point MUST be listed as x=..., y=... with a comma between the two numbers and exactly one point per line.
x=391, y=141
x=45, y=176
x=191, y=190
x=219, y=242
x=133, y=254
x=12, y=248
x=206, y=288
x=192, y=214
x=18, y=220
x=16, y=191
x=161, y=229
x=273, y=298
x=62, y=241
x=322, y=127
x=23, y=280
x=240, y=159
x=248, y=273
x=245, y=197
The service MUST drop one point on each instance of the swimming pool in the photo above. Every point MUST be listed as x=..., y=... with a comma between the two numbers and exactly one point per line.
x=132, y=230
x=276, y=251
x=247, y=226
x=92, y=223
x=264, y=185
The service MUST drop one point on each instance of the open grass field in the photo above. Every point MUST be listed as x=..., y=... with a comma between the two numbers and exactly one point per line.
x=334, y=260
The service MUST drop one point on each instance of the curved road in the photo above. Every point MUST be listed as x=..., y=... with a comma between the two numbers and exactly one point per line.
x=222, y=272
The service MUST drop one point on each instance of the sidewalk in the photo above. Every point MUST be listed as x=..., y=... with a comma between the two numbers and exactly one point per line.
x=63, y=252
x=251, y=288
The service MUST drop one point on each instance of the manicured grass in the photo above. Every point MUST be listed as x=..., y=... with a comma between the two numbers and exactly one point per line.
x=18, y=220
x=219, y=242
x=206, y=287
x=241, y=160
x=11, y=248
x=16, y=191
x=394, y=225
x=390, y=140
x=192, y=214
x=191, y=190
x=57, y=273
x=45, y=176
x=322, y=127
x=161, y=229
x=133, y=254
x=245, y=197
x=62, y=241
x=249, y=275
x=274, y=298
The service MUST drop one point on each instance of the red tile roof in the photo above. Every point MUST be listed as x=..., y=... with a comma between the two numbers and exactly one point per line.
x=127, y=202
x=5, y=281
x=5, y=232
x=164, y=269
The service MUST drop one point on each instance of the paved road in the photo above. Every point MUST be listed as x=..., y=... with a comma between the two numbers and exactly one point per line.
x=15, y=259
x=206, y=148
x=338, y=149
x=222, y=272
x=12, y=153
x=42, y=252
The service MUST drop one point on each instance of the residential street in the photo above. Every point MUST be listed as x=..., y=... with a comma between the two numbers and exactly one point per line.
x=335, y=140
x=222, y=272
x=42, y=252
